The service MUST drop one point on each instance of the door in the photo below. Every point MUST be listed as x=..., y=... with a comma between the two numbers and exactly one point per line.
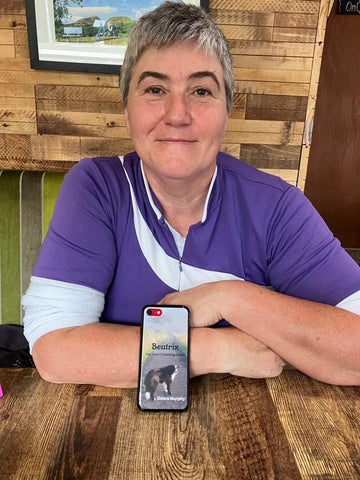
x=333, y=176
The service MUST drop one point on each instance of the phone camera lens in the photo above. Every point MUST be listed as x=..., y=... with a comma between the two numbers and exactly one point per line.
x=149, y=312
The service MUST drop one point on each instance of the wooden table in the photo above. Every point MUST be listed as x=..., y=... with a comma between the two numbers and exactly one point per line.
x=290, y=427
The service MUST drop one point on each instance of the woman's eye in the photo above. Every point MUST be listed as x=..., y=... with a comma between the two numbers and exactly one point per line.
x=202, y=92
x=154, y=90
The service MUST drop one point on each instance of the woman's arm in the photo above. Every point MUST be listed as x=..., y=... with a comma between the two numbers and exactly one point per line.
x=108, y=354
x=98, y=353
x=320, y=340
x=69, y=345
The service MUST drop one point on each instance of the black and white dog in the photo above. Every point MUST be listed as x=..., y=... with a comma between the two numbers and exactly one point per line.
x=164, y=375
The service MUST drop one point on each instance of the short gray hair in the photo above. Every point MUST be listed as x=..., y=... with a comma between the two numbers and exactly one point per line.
x=177, y=23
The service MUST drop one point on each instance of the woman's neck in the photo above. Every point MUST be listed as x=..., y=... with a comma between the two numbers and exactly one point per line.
x=182, y=202
x=183, y=213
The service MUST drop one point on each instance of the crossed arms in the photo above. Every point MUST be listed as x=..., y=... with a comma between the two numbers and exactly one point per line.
x=268, y=330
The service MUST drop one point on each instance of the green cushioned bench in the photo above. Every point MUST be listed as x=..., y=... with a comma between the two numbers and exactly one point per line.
x=27, y=201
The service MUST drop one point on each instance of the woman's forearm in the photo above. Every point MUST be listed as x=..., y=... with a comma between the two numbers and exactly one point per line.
x=318, y=339
x=99, y=353
x=108, y=354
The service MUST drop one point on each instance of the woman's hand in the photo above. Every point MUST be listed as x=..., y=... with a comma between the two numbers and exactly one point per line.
x=229, y=350
x=222, y=350
x=205, y=302
x=245, y=356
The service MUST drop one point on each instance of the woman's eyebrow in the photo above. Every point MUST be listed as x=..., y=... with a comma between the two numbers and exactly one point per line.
x=204, y=74
x=164, y=77
x=158, y=75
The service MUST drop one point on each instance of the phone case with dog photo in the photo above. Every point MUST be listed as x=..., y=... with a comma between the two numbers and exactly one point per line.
x=164, y=358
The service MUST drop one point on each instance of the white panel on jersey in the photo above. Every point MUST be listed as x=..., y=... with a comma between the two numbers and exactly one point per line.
x=177, y=275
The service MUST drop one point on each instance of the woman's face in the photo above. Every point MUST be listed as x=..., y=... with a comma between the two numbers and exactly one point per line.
x=176, y=112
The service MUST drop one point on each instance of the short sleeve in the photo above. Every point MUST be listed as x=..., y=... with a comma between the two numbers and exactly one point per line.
x=80, y=247
x=305, y=260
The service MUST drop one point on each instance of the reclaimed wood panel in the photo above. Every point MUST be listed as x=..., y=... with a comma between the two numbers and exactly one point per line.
x=273, y=138
x=78, y=92
x=264, y=126
x=6, y=37
x=14, y=64
x=231, y=149
x=7, y=51
x=235, y=17
x=12, y=7
x=14, y=148
x=92, y=147
x=54, y=148
x=78, y=99
x=66, y=115
x=18, y=91
x=57, y=78
x=78, y=118
x=276, y=107
x=235, y=32
x=271, y=156
x=281, y=76
x=11, y=127
x=287, y=6
x=22, y=51
x=306, y=35
x=281, y=49
x=299, y=20
x=271, y=88
x=268, y=62
x=52, y=127
x=8, y=103
x=12, y=21
x=21, y=37
x=18, y=115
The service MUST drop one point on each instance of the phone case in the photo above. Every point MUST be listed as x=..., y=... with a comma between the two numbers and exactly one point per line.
x=164, y=358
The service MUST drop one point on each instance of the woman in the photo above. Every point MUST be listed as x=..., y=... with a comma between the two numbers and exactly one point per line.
x=178, y=222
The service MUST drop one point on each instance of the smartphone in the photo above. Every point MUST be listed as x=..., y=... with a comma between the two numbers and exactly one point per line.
x=164, y=358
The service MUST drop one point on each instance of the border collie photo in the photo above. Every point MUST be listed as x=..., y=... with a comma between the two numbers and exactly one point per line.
x=164, y=376
x=164, y=383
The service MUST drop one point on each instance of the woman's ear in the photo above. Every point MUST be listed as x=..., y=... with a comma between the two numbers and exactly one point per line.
x=127, y=121
x=226, y=122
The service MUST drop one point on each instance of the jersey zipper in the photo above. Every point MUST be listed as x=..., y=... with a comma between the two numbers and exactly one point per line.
x=180, y=271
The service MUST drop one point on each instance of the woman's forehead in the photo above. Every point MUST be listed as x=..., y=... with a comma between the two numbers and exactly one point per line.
x=176, y=55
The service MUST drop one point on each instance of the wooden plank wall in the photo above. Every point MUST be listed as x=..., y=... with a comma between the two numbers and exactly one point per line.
x=49, y=120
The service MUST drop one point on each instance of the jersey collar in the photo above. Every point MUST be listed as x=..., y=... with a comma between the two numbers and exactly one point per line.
x=157, y=210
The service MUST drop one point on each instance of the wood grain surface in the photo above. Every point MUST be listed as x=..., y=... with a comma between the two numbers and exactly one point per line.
x=289, y=427
x=48, y=118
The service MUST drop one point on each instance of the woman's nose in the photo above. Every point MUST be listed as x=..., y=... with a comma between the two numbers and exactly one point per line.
x=177, y=110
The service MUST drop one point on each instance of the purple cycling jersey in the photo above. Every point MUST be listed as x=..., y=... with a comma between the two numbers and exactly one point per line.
x=108, y=233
